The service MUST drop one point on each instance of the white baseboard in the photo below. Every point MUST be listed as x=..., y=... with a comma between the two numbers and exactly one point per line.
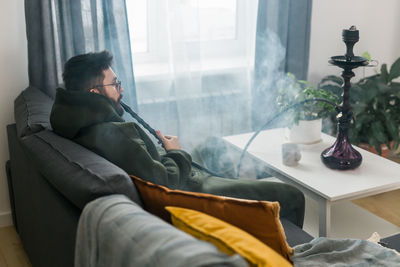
x=5, y=219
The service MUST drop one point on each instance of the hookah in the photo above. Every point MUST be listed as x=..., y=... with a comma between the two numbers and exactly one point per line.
x=341, y=155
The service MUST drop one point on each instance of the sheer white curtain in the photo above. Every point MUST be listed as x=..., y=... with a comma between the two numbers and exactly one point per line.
x=194, y=77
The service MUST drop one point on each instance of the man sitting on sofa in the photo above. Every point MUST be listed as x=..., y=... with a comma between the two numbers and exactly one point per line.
x=89, y=112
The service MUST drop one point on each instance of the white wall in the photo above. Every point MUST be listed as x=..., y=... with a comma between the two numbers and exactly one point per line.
x=377, y=21
x=13, y=79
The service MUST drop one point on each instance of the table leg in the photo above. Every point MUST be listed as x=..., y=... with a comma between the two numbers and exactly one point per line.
x=324, y=218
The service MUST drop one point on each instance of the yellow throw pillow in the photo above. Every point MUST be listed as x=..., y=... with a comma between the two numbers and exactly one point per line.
x=258, y=218
x=226, y=237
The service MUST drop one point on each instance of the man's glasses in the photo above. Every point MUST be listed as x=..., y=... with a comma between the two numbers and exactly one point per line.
x=117, y=85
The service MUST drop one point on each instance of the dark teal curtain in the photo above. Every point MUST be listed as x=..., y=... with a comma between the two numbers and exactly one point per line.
x=59, y=29
x=282, y=45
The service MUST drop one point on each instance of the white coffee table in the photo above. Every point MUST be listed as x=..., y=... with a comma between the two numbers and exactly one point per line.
x=375, y=175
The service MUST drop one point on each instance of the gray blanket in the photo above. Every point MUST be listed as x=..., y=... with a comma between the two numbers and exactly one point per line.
x=343, y=252
x=115, y=232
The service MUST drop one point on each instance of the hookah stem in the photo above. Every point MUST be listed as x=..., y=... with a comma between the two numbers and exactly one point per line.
x=153, y=132
x=276, y=116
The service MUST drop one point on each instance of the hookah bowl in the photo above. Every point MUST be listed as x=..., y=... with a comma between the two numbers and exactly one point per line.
x=341, y=155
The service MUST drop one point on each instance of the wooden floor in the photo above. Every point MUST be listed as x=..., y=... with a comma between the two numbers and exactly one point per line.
x=12, y=253
x=386, y=206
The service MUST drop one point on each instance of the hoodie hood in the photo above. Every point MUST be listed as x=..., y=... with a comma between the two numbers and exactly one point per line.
x=74, y=110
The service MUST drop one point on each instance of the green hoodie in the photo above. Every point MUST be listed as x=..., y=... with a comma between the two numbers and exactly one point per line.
x=91, y=120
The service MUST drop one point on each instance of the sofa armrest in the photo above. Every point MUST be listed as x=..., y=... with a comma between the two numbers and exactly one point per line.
x=116, y=232
x=32, y=110
x=76, y=172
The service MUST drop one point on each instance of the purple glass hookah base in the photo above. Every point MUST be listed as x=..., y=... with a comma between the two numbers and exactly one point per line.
x=341, y=155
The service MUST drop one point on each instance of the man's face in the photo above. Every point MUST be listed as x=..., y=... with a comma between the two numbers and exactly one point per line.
x=110, y=87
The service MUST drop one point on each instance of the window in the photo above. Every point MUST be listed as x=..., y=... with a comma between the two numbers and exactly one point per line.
x=217, y=26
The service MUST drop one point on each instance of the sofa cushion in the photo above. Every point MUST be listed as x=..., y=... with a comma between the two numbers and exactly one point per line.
x=258, y=218
x=392, y=242
x=295, y=235
x=115, y=232
x=76, y=172
x=226, y=237
x=32, y=111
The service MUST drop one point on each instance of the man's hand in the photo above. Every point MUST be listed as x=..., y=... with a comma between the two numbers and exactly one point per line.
x=169, y=142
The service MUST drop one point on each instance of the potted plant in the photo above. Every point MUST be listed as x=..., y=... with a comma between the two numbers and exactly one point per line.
x=304, y=121
x=376, y=108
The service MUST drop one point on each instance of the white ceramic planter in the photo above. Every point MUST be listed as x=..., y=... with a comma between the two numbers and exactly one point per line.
x=306, y=132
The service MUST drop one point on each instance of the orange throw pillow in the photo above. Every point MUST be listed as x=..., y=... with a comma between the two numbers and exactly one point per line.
x=258, y=218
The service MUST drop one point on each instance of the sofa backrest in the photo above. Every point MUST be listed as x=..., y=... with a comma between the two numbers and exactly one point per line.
x=76, y=172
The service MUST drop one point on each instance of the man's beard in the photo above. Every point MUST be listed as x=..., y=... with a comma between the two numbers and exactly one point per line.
x=116, y=105
x=118, y=108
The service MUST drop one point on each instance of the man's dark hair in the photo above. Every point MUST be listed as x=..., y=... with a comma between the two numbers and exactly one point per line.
x=84, y=72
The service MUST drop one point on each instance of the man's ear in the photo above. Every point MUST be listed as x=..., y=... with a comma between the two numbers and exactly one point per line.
x=94, y=90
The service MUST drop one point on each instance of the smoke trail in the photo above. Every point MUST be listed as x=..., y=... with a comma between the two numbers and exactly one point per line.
x=269, y=58
x=194, y=103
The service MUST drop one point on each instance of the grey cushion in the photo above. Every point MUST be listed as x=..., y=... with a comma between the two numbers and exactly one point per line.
x=392, y=242
x=114, y=232
x=32, y=111
x=76, y=172
x=294, y=234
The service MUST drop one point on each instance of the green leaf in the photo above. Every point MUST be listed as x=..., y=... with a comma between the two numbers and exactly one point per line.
x=384, y=73
x=359, y=109
x=373, y=142
x=337, y=90
x=395, y=88
x=356, y=94
x=394, y=70
x=291, y=75
x=391, y=127
x=366, y=55
x=362, y=122
x=379, y=132
x=383, y=87
x=303, y=82
x=369, y=89
x=331, y=78
x=378, y=148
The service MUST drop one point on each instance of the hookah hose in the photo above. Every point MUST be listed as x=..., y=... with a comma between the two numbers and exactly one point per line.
x=153, y=132
x=141, y=121
x=276, y=116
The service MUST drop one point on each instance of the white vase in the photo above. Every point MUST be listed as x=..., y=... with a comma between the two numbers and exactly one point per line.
x=306, y=132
